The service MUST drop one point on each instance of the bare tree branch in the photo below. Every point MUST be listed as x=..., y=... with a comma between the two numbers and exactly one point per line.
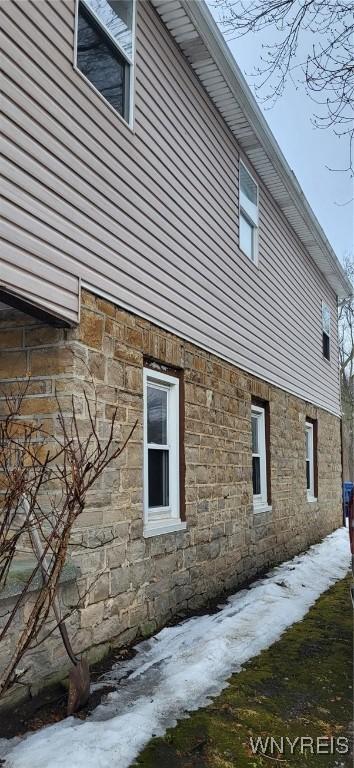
x=326, y=71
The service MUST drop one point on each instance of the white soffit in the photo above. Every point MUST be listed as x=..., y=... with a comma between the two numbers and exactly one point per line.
x=192, y=26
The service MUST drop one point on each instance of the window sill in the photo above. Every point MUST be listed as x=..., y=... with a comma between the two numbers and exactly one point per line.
x=262, y=508
x=166, y=527
x=312, y=499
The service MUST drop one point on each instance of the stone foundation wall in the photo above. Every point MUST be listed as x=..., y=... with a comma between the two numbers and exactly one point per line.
x=143, y=583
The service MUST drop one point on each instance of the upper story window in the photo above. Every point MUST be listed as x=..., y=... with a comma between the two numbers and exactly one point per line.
x=326, y=330
x=260, y=458
x=311, y=459
x=161, y=453
x=105, y=50
x=248, y=214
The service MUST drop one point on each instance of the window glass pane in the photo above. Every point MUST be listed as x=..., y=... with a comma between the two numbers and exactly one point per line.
x=307, y=444
x=100, y=61
x=158, y=470
x=247, y=185
x=325, y=346
x=308, y=475
x=246, y=236
x=254, y=422
x=117, y=16
x=326, y=319
x=256, y=475
x=157, y=415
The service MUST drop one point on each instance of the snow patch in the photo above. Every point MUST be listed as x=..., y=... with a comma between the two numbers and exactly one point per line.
x=183, y=667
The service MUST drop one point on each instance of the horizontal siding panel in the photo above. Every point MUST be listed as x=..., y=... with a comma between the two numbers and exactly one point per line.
x=164, y=63
x=23, y=161
x=150, y=261
x=59, y=60
x=150, y=217
x=59, y=15
x=80, y=190
x=33, y=280
x=130, y=175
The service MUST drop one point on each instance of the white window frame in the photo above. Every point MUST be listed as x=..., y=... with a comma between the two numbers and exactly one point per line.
x=249, y=212
x=309, y=430
x=326, y=327
x=130, y=61
x=260, y=501
x=158, y=520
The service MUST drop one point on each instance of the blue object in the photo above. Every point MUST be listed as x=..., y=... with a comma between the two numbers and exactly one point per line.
x=347, y=491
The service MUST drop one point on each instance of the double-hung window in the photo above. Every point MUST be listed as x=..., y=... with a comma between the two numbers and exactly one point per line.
x=326, y=330
x=104, y=49
x=248, y=235
x=161, y=453
x=310, y=447
x=259, y=458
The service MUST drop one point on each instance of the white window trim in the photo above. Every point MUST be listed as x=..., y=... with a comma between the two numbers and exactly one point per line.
x=260, y=501
x=164, y=519
x=310, y=491
x=129, y=60
x=250, y=212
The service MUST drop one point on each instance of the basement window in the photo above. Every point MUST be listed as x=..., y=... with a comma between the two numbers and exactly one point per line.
x=248, y=226
x=161, y=453
x=104, y=50
x=326, y=330
x=259, y=458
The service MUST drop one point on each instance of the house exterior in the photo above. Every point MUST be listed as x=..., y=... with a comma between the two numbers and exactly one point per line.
x=154, y=236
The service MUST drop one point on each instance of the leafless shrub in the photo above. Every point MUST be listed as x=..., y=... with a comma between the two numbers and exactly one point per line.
x=54, y=475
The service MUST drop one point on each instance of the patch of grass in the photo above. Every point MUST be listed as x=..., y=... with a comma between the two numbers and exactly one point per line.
x=300, y=686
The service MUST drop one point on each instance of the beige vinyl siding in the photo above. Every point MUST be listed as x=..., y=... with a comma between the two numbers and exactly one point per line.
x=34, y=280
x=150, y=217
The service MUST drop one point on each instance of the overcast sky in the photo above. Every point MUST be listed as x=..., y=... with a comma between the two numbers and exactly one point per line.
x=308, y=151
